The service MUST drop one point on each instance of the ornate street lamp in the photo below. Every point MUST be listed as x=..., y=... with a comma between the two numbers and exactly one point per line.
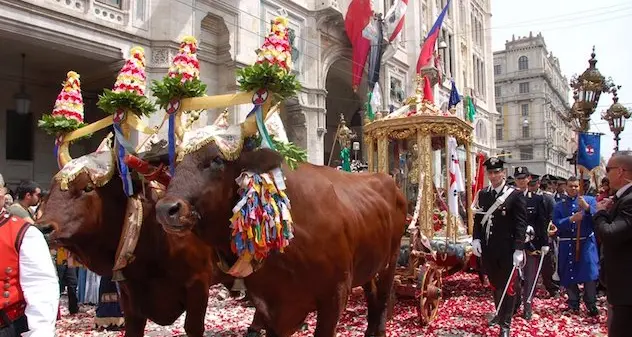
x=587, y=89
x=616, y=116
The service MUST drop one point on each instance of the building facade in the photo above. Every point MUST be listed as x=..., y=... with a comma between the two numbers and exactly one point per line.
x=93, y=37
x=531, y=94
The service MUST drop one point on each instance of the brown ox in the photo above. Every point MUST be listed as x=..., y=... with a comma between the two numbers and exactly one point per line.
x=347, y=231
x=169, y=274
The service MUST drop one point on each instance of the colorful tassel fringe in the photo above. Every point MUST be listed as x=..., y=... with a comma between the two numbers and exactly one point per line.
x=261, y=221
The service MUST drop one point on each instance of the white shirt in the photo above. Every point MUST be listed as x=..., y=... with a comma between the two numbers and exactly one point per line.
x=40, y=285
x=622, y=190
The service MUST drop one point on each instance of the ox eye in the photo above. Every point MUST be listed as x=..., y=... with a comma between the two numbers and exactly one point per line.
x=217, y=164
x=89, y=188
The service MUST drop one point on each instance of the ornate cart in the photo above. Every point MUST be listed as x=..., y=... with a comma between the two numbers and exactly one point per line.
x=425, y=151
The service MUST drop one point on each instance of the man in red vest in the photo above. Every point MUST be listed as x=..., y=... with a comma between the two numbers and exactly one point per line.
x=29, y=287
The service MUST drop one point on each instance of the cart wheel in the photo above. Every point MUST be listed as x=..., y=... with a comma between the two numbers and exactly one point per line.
x=430, y=285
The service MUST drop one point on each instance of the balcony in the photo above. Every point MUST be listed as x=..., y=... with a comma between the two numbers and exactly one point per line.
x=519, y=75
x=122, y=15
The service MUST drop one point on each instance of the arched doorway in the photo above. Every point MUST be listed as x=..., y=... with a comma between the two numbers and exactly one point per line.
x=342, y=100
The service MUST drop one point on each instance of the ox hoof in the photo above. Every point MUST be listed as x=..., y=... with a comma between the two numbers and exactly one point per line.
x=253, y=333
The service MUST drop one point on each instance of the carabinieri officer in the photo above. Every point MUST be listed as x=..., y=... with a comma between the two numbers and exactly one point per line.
x=499, y=235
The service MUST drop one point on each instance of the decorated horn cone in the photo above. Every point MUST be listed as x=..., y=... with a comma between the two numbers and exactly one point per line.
x=132, y=76
x=276, y=48
x=69, y=103
x=185, y=63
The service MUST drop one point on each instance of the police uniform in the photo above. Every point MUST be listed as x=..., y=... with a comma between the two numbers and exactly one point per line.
x=536, y=238
x=557, y=195
x=499, y=232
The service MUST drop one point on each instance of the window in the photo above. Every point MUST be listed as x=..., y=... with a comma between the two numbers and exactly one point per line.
x=499, y=132
x=19, y=136
x=523, y=88
x=497, y=69
x=523, y=63
x=525, y=131
x=526, y=153
x=499, y=108
x=115, y=3
x=497, y=91
x=524, y=109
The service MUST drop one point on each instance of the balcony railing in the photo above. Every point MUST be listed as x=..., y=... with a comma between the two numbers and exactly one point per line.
x=118, y=14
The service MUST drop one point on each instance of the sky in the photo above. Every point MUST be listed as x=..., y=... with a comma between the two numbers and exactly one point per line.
x=570, y=29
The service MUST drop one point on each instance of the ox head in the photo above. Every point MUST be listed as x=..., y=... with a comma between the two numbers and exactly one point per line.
x=86, y=208
x=204, y=186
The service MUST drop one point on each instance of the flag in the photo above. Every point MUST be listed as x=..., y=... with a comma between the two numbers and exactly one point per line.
x=456, y=178
x=470, y=109
x=375, y=55
x=428, y=48
x=455, y=98
x=357, y=21
x=479, y=180
x=428, y=95
x=588, y=150
x=374, y=101
x=394, y=19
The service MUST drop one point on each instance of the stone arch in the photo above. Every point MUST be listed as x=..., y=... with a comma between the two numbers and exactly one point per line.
x=481, y=132
x=215, y=48
x=341, y=99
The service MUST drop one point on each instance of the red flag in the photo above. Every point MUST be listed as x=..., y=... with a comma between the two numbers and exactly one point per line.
x=428, y=48
x=357, y=19
x=428, y=96
x=479, y=180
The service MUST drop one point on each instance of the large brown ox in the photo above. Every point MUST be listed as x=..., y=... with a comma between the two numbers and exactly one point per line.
x=347, y=231
x=169, y=274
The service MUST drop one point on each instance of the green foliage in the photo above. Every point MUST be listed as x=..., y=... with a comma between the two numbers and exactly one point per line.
x=56, y=125
x=111, y=101
x=263, y=75
x=171, y=88
x=292, y=153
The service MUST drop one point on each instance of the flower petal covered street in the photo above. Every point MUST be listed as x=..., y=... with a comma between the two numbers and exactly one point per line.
x=463, y=311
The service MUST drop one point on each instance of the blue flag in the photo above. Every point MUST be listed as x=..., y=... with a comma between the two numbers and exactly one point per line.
x=455, y=98
x=588, y=154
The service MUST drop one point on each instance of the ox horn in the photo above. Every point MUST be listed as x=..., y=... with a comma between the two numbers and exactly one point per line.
x=63, y=153
x=249, y=126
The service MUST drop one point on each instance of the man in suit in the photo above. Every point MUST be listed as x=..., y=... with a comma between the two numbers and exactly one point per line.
x=536, y=242
x=613, y=222
x=578, y=259
x=499, y=234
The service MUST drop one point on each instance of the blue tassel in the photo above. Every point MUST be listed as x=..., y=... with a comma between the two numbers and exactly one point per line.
x=123, y=169
x=172, y=143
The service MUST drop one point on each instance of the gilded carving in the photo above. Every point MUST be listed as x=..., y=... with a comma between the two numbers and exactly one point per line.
x=382, y=155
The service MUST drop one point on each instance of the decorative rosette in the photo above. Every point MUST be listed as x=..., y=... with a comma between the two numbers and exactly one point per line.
x=439, y=219
x=272, y=70
x=67, y=115
x=183, y=78
x=129, y=89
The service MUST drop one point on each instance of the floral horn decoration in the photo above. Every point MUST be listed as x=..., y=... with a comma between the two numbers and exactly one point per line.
x=67, y=115
x=182, y=81
x=272, y=70
x=127, y=96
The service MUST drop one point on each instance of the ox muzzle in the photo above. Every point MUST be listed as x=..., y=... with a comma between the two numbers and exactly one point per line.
x=176, y=216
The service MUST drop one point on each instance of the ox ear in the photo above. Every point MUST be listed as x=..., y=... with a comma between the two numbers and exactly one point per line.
x=260, y=160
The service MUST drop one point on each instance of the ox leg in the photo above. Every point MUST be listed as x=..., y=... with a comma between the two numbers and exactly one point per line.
x=134, y=323
x=254, y=330
x=197, y=301
x=329, y=310
x=376, y=326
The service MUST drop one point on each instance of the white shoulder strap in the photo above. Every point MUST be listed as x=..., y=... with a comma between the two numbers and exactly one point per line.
x=501, y=200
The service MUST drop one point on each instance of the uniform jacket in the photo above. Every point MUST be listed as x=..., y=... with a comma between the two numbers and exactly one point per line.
x=536, y=218
x=508, y=222
x=614, y=229
x=587, y=268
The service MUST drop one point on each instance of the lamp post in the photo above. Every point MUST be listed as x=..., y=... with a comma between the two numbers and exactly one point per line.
x=587, y=89
x=616, y=116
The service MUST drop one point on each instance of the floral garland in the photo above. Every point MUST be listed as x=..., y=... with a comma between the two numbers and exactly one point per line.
x=67, y=115
x=129, y=88
x=272, y=70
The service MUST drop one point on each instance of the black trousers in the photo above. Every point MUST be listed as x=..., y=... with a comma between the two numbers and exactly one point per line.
x=68, y=279
x=14, y=329
x=498, y=268
x=620, y=324
x=548, y=269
